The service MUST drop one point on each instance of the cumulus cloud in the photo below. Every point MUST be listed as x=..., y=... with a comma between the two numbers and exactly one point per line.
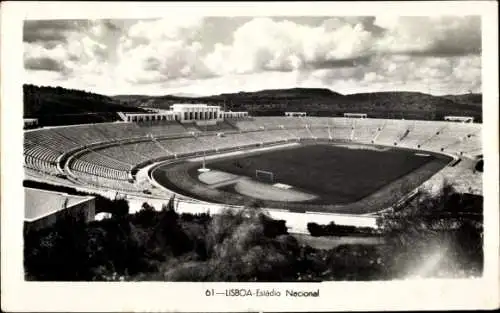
x=430, y=36
x=48, y=30
x=44, y=64
x=64, y=47
x=206, y=55
x=161, y=50
x=264, y=44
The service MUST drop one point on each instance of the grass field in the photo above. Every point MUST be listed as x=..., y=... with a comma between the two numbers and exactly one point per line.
x=345, y=178
x=338, y=175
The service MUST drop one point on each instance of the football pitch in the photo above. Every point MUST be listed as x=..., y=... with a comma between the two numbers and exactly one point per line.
x=319, y=176
x=335, y=174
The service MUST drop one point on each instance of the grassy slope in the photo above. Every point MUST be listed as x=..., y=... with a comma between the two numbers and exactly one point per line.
x=324, y=101
x=48, y=101
x=43, y=101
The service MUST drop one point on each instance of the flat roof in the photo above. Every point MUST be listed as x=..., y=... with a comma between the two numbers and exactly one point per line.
x=39, y=203
x=164, y=112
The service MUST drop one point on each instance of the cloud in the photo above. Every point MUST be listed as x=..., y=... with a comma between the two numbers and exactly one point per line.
x=264, y=44
x=161, y=50
x=430, y=36
x=44, y=64
x=192, y=54
x=65, y=47
x=48, y=30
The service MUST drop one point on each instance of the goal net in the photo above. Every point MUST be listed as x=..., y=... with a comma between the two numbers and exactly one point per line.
x=264, y=176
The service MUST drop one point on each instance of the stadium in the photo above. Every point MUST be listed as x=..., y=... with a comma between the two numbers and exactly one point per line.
x=244, y=148
x=299, y=168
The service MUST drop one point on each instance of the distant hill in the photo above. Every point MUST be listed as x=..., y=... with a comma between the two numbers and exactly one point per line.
x=325, y=102
x=470, y=98
x=57, y=106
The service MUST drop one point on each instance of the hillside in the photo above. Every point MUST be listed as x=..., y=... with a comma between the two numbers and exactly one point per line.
x=472, y=98
x=324, y=102
x=56, y=106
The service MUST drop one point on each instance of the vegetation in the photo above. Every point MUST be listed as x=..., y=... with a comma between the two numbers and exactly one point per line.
x=436, y=234
x=317, y=230
x=324, y=102
x=61, y=106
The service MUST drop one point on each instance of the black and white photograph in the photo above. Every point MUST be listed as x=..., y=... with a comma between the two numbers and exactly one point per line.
x=254, y=148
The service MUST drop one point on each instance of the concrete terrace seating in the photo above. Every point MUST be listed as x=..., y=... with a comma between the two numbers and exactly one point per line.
x=98, y=170
x=148, y=149
x=219, y=127
x=341, y=133
x=303, y=132
x=391, y=132
x=275, y=135
x=95, y=133
x=228, y=141
x=247, y=124
x=420, y=134
x=104, y=160
x=122, y=153
x=42, y=158
x=254, y=137
x=472, y=143
x=52, y=139
x=292, y=133
x=182, y=145
x=365, y=130
x=162, y=128
x=445, y=136
x=40, y=165
x=113, y=184
x=319, y=132
x=317, y=121
x=109, y=166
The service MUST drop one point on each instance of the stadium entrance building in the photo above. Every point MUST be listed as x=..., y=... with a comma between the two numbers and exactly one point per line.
x=356, y=115
x=186, y=113
x=144, y=117
x=463, y=119
x=292, y=114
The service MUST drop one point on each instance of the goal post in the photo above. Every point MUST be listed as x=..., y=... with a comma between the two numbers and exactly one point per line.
x=264, y=176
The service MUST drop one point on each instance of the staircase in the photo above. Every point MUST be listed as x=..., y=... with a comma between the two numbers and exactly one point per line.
x=122, y=116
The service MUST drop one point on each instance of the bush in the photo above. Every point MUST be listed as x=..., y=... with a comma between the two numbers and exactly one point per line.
x=333, y=229
x=248, y=245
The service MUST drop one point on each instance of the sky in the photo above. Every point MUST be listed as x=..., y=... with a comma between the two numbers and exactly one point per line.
x=192, y=55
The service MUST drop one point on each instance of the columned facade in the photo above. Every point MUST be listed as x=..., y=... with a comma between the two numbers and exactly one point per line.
x=186, y=113
x=189, y=113
x=146, y=117
x=235, y=114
